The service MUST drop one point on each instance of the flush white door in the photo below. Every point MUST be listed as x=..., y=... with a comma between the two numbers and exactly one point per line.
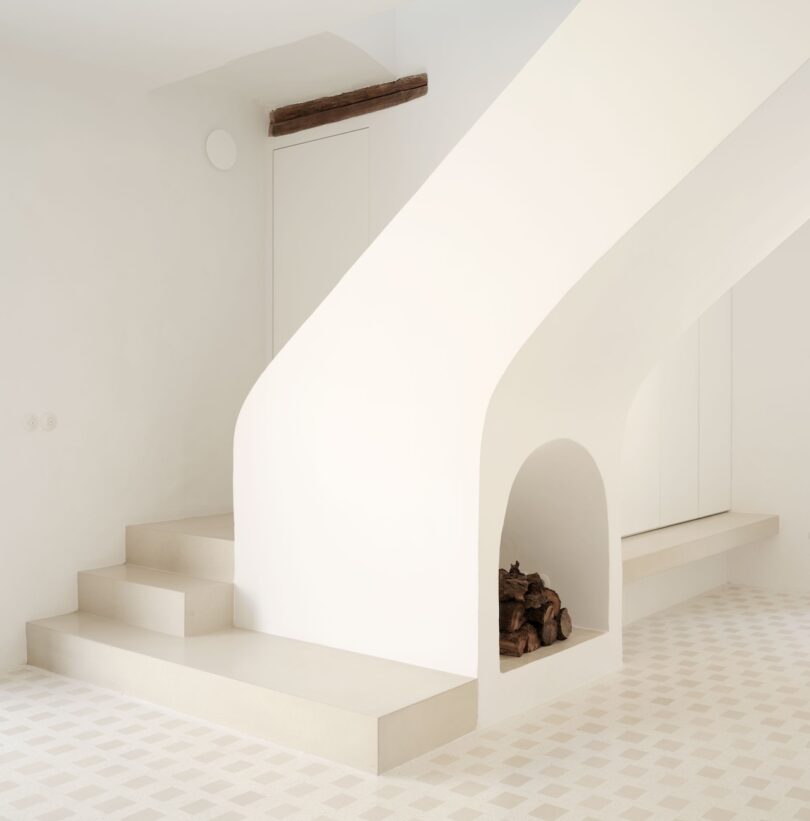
x=680, y=429
x=715, y=408
x=320, y=223
x=677, y=449
x=641, y=490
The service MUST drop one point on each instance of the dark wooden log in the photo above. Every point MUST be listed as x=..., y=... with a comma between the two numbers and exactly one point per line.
x=511, y=588
x=540, y=615
x=513, y=644
x=512, y=615
x=548, y=633
x=535, y=582
x=514, y=570
x=291, y=118
x=550, y=596
x=564, y=626
x=532, y=637
x=533, y=600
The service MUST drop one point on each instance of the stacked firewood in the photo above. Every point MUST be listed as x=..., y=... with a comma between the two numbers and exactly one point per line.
x=531, y=615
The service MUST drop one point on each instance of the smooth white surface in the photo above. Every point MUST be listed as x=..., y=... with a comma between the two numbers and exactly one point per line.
x=221, y=150
x=579, y=635
x=772, y=414
x=362, y=440
x=680, y=429
x=320, y=223
x=641, y=458
x=150, y=577
x=576, y=376
x=132, y=290
x=316, y=66
x=201, y=547
x=648, y=553
x=670, y=588
x=156, y=600
x=362, y=711
x=218, y=526
x=468, y=67
x=676, y=456
x=351, y=681
x=714, y=451
x=163, y=41
x=578, y=757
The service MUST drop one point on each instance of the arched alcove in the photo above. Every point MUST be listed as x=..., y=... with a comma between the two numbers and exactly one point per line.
x=556, y=524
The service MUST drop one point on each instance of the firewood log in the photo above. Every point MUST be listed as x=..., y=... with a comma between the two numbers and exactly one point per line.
x=512, y=615
x=511, y=588
x=533, y=600
x=513, y=644
x=548, y=633
x=550, y=596
x=535, y=582
x=564, y=626
x=540, y=615
x=514, y=570
x=532, y=637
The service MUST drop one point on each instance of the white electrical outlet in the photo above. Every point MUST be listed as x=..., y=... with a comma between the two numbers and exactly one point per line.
x=31, y=422
x=49, y=421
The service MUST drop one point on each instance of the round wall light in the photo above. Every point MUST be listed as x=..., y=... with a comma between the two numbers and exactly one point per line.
x=221, y=150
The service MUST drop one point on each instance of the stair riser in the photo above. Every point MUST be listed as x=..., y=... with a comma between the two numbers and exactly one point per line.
x=156, y=608
x=350, y=738
x=200, y=556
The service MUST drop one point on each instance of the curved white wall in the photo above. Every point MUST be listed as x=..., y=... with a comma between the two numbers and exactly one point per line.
x=556, y=522
x=577, y=375
x=357, y=452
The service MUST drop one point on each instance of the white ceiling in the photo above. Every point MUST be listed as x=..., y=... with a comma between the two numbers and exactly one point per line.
x=162, y=41
x=313, y=67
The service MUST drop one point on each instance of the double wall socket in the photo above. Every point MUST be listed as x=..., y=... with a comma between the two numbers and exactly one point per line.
x=47, y=422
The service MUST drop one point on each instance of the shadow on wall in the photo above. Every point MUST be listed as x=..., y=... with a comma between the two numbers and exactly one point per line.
x=556, y=523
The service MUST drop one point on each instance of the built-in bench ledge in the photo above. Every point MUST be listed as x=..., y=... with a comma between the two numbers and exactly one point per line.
x=658, y=550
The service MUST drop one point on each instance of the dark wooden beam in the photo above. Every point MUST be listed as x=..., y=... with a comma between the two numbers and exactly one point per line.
x=297, y=117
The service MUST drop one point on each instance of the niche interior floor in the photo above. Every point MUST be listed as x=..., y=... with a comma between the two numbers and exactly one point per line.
x=709, y=719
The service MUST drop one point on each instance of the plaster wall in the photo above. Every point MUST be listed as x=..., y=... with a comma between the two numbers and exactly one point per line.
x=771, y=437
x=130, y=296
x=360, y=446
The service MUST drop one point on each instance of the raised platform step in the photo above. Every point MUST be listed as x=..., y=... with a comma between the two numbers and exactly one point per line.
x=646, y=554
x=362, y=711
x=201, y=547
x=157, y=600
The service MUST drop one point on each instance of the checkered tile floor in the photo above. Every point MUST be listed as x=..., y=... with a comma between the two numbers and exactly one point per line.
x=709, y=719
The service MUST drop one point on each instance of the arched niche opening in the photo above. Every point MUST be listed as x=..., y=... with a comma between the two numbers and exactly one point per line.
x=556, y=524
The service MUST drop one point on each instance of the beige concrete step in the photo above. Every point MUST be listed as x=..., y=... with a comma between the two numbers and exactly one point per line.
x=656, y=551
x=366, y=712
x=170, y=603
x=201, y=547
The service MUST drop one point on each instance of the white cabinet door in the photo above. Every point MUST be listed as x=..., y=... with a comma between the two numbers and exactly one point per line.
x=680, y=429
x=677, y=449
x=715, y=408
x=641, y=457
x=320, y=223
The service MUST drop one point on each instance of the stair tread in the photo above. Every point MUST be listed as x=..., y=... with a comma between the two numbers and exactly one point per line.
x=655, y=551
x=351, y=681
x=150, y=577
x=211, y=527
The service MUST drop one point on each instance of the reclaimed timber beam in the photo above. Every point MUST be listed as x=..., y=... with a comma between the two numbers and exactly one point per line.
x=299, y=116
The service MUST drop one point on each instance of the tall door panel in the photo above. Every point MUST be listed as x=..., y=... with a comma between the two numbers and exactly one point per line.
x=680, y=420
x=320, y=223
x=641, y=459
x=715, y=408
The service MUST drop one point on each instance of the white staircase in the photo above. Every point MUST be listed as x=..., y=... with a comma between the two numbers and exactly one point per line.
x=172, y=603
x=160, y=628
